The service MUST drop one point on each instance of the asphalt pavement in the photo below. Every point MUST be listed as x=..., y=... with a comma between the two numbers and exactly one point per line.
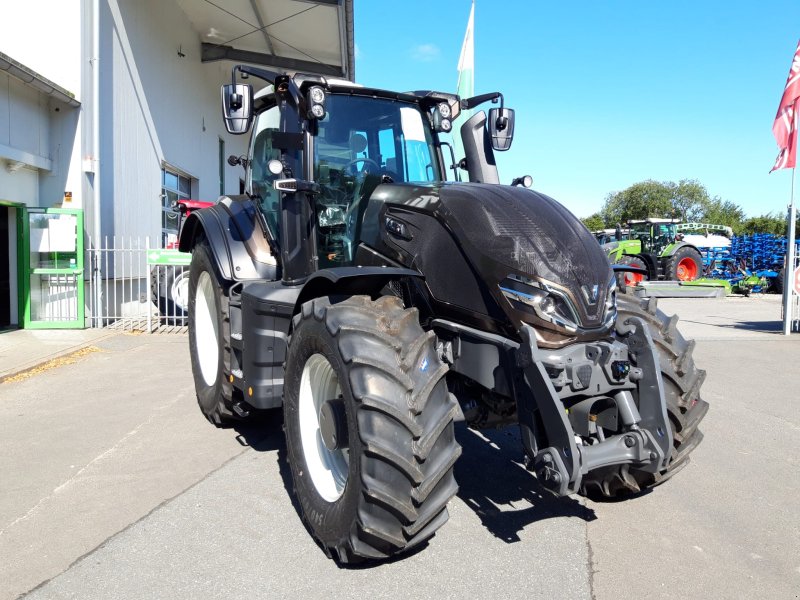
x=114, y=486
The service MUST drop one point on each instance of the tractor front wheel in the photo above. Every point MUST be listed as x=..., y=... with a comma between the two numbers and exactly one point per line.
x=369, y=427
x=209, y=336
x=629, y=278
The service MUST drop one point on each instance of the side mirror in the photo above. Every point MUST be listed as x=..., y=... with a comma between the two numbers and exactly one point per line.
x=501, y=128
x=237, y=107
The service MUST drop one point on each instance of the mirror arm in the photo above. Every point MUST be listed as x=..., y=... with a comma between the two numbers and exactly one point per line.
x=268, y=76
x=469, y=103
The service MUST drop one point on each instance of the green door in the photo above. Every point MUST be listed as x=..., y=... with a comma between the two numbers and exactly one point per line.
x=52, y=290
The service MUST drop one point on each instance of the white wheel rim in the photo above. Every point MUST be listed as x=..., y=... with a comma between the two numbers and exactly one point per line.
x=179, y=290
x=328, y=468
x=206, y=330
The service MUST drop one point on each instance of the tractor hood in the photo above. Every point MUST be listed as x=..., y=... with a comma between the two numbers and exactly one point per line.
x=520, y=242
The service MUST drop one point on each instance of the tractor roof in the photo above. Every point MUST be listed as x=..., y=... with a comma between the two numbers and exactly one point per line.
x=653, y=220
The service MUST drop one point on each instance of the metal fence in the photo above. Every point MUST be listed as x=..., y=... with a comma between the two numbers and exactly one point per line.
x=127, y=290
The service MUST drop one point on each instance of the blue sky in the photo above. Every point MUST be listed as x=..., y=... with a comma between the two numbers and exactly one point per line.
x=608, y=93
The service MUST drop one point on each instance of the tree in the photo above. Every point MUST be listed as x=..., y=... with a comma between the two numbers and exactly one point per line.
x=689, y=199
x=639, y=201
x=767, y=223
x=724, y=212
x=685, y=200
x=593, y=222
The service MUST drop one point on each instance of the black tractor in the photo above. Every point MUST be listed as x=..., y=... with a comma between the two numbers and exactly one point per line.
x=379, y=304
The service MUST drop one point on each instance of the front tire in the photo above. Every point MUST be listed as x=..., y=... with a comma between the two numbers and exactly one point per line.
x=209, y=336
x=685, y=409
x=685, y=265
x=629, y=278
x=387, y=490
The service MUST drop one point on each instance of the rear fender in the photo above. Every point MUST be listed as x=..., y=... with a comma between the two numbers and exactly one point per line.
x=238, y=242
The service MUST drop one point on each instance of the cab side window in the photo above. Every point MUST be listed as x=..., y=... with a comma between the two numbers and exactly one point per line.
x=260, y=179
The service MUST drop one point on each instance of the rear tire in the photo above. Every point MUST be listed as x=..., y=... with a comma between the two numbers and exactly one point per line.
x=209, y=336
x=685, y=265
x=685, y=409
x=387, y=490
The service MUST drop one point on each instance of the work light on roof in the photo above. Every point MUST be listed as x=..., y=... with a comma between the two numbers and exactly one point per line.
x=317, y=111
x=316, y=102
x=317, y=95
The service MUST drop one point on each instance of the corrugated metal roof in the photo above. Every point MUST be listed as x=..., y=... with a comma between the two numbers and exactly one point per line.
x=311, y=36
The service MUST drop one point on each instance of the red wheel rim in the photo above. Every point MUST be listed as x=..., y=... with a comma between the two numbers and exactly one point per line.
x=687, y=270
x=633, y=278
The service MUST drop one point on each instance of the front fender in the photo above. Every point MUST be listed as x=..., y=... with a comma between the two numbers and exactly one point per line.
x=350, y=281
x=238, y=242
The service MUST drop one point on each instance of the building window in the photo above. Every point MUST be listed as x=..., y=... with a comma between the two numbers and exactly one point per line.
x=221, y=167
x=174, y=187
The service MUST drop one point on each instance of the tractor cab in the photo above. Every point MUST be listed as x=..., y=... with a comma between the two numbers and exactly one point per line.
x=320, y=147
x=654, y=234
x=359, y=143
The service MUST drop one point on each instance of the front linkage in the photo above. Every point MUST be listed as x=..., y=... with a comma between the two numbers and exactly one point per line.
x=563, y=429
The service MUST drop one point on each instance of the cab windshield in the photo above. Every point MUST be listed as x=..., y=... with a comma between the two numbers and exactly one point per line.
x=654, y=236
x=361, y=143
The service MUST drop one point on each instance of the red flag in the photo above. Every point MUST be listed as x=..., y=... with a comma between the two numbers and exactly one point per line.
x=785, y=126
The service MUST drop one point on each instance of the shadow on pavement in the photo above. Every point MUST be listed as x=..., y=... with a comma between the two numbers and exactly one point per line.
x=263, y=431
x=765, y=326
x=496, y=486
x=492, y=481
x=758, y=326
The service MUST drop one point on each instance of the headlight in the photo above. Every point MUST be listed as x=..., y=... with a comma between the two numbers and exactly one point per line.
x=549, y=304
x=611, y=303
x=444, y=110
x=553, y=305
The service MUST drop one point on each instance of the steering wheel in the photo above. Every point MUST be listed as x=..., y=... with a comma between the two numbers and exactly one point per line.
x=364, y=170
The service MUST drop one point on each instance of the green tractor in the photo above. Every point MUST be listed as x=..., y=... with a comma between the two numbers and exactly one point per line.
x=657, y=248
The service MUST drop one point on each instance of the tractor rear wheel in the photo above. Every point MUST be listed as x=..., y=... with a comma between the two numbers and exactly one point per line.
x=682, y=381
x=209, y=336
x=685, y=265
x=628, y=278
x=369, y=427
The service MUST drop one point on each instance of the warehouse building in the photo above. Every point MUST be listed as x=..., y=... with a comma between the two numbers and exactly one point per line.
x=109, y=112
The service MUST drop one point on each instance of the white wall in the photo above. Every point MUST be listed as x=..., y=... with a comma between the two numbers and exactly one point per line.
x=22, y=186
x=24, y=137
x=159, y=107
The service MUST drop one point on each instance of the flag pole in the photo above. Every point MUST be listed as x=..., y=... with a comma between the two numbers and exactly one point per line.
x=788, y=271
